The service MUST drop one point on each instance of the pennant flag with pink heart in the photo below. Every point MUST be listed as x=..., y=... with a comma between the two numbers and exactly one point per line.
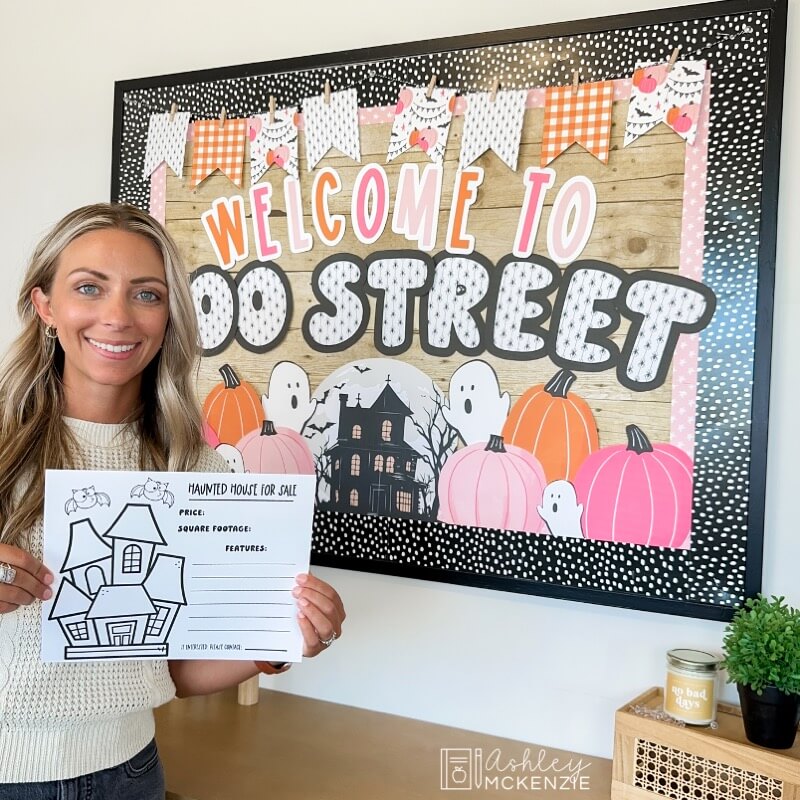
x=273, y=144
x=422, y=121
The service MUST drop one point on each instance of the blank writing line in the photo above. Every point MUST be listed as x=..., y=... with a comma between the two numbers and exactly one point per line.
x=241, y=603
x=285, y=591
x=248, y=564
x=267, y=649
x=238, y=616
x=238, y=630
x=245, y=577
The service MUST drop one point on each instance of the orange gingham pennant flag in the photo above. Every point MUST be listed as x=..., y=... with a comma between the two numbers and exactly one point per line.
x=583, y=117
x=219, y=148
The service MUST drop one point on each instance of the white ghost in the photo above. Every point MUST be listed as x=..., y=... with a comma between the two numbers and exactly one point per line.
x=232, y=456
x=476, y=408
x=561, y=510
x=289, y=403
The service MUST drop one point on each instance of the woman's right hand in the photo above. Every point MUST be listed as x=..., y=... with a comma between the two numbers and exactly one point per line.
x=30, y=583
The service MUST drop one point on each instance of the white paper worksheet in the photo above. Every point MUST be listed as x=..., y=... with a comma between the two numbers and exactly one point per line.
x=174, y=565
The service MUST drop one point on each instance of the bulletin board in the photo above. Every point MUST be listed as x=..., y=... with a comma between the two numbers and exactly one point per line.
x=507, y=295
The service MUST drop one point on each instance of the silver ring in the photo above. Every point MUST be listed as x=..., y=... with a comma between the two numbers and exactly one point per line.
x=8, y=573
x=329, y=641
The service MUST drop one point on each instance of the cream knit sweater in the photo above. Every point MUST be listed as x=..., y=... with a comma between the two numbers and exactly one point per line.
x=58, y=721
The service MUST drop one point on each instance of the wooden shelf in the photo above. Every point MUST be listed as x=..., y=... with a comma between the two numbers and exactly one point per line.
x=656, y=759
x=296, y=748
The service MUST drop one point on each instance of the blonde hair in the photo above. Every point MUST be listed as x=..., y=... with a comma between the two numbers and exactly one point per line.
x=32, y=435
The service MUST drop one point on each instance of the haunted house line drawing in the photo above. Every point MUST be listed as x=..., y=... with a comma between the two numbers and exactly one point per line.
x=118, y=597
x=372, y=467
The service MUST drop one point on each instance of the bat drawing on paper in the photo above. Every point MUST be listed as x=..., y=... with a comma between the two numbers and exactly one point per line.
x=86, y=498
x=154, y=490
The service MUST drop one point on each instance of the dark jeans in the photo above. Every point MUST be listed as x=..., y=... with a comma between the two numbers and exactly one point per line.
x=141, y=778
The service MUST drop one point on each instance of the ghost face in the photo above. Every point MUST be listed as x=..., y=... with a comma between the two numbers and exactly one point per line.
x=232, y=456
x=561, y=510
x=476, y=409
x=289, y=401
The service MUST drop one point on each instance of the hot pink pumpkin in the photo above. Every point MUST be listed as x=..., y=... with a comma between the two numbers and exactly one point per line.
x=639, y=493
x=492, y=486
x=276, y=450
x=210, y=435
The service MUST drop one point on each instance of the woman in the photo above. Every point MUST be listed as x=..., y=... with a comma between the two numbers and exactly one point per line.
x=100, y=378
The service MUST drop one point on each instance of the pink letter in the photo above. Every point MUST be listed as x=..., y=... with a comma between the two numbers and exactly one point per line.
x=537, y=182
x=299, y=240
x=416, y=205
x=577, y=200
x=370, y=204
x=260, y=207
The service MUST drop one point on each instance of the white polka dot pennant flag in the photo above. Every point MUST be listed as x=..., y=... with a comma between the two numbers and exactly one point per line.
x=273, y=145
x=166, y=142
x=493, y=124
x=671, y=96
x=422, y=121
x=332, y=124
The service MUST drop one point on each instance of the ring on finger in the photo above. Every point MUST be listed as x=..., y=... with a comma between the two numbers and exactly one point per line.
x=8, y=573
x=330, y=640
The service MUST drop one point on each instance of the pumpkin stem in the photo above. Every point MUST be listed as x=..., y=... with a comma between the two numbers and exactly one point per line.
x=559, y=384
x=268, y=428
x=637, y=441
x=229, y=376
x=495, y=444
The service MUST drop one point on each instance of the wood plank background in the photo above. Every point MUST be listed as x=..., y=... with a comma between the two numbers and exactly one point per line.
x=638, y=226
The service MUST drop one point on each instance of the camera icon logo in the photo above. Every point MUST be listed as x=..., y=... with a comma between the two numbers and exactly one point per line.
x=456, y=768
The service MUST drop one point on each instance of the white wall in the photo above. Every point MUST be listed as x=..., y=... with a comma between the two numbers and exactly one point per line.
x=543, y=671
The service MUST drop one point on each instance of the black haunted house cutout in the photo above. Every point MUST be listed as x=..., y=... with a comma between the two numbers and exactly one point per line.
x=119, y=600
x=373, y=467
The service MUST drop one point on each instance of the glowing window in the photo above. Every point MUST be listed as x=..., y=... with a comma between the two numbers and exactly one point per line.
x=354, y=498
x=386, y=430
x=390, y=464
x=355, y=464
x=379, y=463
x=356, y=431
x=403, y=502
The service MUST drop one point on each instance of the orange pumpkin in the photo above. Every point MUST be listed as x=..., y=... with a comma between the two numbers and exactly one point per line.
x=233, y=407
x=557, y=427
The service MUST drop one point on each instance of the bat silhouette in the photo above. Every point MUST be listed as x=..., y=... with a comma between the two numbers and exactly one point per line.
x=321, y=429
x=643, y=113
x=86, y=498
x=339, y=385
x=325, y=395
x=362, y=370
x=691, y=72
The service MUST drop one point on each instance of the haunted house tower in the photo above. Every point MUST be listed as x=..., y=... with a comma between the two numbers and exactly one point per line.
x=373, y=468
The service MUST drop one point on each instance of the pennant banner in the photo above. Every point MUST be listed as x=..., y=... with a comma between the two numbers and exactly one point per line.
x=495, y=125
x=218, y=147
x=332, y=124
x=662, y=95
x=422, y=121
x=166, y=142
x=273, y=145
x=582, y=116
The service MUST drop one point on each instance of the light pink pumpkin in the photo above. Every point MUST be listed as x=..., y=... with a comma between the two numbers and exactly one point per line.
x=639, y=493
x=279, y=451
x=492, y=486
x=210, y=435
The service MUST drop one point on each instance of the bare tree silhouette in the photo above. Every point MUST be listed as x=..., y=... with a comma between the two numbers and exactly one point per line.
x=322, y=470
x=440, y=439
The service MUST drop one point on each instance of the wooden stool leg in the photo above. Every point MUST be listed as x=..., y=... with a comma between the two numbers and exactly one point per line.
x=248, y=691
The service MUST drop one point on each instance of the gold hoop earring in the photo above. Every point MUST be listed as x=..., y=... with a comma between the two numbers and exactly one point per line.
x=50, y=332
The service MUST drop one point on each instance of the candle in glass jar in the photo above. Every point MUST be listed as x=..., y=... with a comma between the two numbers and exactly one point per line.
x=691, y=690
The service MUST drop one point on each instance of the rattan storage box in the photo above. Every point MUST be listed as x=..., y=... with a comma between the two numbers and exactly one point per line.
x=655, y=759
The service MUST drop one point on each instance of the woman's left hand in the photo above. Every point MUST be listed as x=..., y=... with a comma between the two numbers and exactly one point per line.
x=321, y=613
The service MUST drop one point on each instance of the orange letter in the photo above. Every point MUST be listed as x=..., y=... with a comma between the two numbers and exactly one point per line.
x=224, y=224
x=330, y=227
x=465, y=194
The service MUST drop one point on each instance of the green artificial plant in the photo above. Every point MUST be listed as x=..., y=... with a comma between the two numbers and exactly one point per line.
x=762, y=645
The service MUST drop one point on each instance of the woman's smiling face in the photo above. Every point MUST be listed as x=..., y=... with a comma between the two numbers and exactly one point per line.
x=109, y=304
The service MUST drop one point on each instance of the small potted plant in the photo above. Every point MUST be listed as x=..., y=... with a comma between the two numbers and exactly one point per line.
x=762, y=657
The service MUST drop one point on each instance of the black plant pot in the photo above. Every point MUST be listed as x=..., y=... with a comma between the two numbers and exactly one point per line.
x=770, y=718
